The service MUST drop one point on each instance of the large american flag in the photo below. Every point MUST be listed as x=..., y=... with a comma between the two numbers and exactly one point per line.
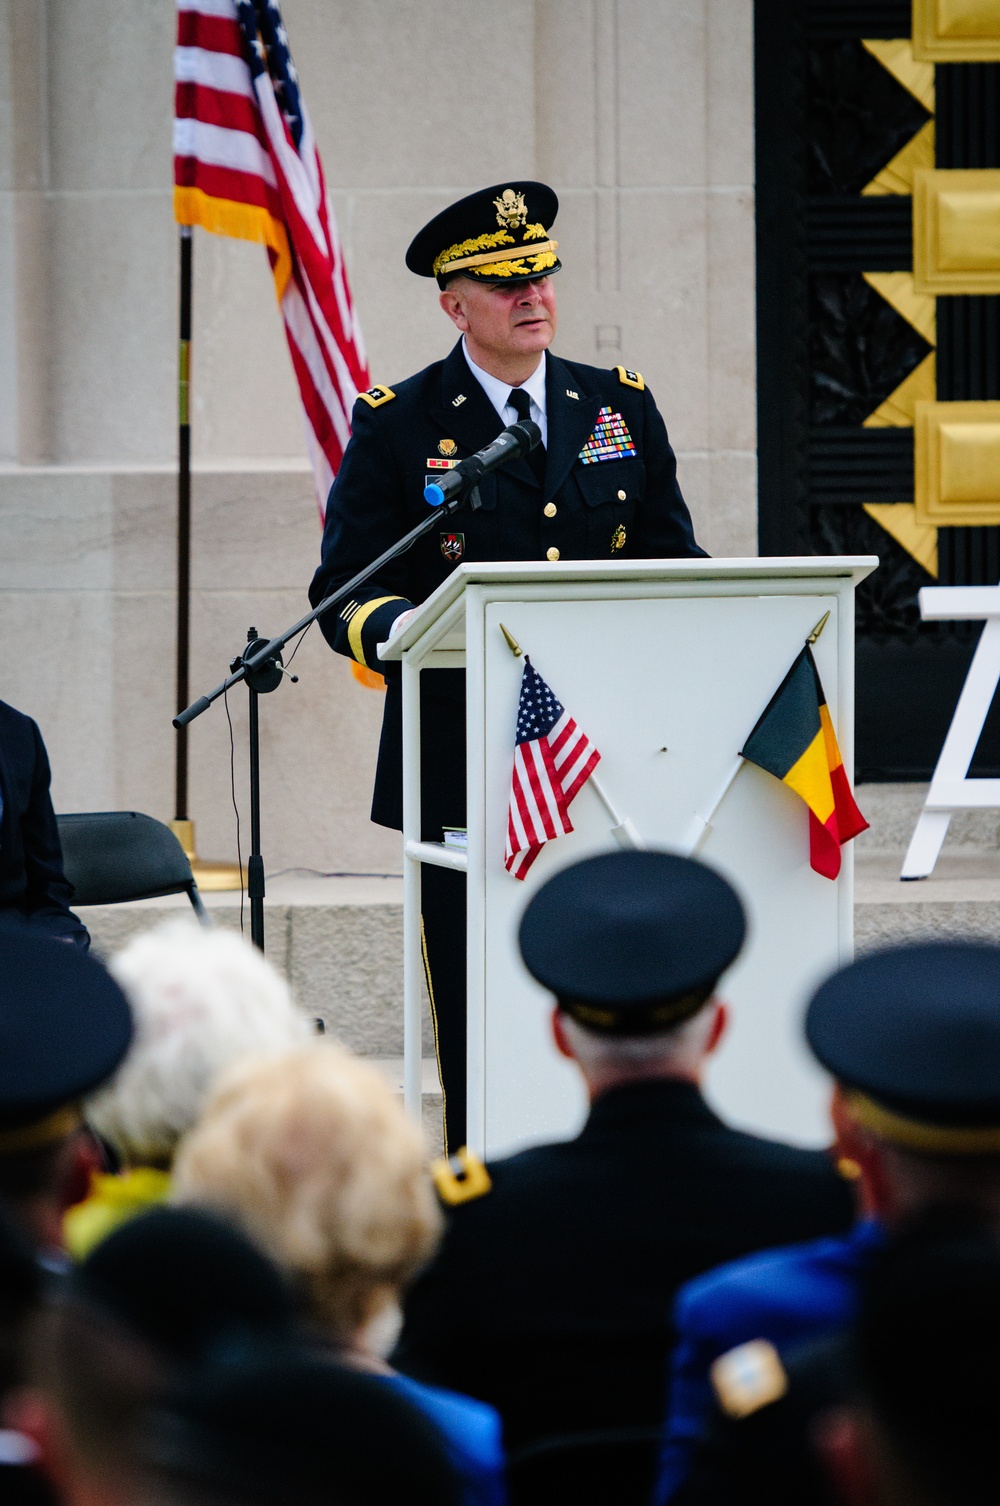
x=552, y=760
x=246, y=164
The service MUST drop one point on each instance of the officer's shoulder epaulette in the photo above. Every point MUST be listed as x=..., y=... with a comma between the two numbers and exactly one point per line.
x=377, y=395
x=460, y=1178
x=748, y=1377
x=631, y=378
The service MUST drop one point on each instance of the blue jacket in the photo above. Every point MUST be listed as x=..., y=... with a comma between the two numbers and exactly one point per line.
x=787, y=1295
x=472, y=1431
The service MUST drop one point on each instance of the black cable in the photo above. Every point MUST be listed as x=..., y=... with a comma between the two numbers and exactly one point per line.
x=232, y=787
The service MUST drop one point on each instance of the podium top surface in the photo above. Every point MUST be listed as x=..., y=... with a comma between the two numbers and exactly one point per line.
x=533, y=573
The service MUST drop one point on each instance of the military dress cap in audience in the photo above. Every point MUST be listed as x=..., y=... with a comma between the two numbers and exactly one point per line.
x=280, y=1427
x=314, y=1156
x=34, y=888
x=911, y=1035
x=153, y=1299
x=202, y=999
x=551, y=1294
x=920, y=1424
x=64, y=1027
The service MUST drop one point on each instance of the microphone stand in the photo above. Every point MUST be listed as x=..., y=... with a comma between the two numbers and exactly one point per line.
x=260, y=666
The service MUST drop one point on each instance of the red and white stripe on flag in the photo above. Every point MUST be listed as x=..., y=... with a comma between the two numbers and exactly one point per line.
x=548, y=773
x=246, y=165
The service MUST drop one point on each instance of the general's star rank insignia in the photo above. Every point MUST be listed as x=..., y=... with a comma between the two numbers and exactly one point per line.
x=453, y=547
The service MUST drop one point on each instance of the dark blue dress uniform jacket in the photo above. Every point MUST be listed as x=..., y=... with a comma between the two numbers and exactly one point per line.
x=551, y=1295
x=623, y=508
x=33, y=886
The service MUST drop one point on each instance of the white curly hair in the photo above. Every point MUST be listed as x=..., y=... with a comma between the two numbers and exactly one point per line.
x=202, y=1000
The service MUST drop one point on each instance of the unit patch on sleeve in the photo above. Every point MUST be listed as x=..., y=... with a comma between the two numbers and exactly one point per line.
x=631, y=378
x=376, y=396
x=610, y=440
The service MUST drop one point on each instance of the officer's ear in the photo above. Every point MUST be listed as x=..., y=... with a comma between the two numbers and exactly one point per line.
x=453, y=303
x=559, y=1035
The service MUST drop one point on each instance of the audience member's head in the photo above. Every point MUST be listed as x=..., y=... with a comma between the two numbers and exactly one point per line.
x=633, y=944
x=912, y=1036
x=154, y=1298
x=315, y=1157
x=64, y=1027
x=922, y=1427
x=279, y=1427
x=201, y=999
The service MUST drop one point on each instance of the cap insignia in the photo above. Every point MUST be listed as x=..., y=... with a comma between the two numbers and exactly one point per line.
x=511, y=209
x=447, y=447
x=748, y=1378
x=461, y=1178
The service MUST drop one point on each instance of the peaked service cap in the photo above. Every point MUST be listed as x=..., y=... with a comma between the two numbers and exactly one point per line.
x=632, y=942
x=913, y=1033
x=498, y=234
x=64, y=1027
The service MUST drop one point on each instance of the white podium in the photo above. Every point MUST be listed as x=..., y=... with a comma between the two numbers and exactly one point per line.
x=666, y=664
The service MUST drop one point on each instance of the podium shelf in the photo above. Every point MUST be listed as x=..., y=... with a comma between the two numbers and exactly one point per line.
x=438, y=854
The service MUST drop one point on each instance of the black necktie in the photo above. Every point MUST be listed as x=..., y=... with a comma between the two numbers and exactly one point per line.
x=521, y=403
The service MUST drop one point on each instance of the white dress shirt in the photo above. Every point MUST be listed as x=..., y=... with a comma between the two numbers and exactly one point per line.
x=498, y=392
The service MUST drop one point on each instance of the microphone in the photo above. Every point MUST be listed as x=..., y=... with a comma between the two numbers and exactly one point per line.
x=517, y=440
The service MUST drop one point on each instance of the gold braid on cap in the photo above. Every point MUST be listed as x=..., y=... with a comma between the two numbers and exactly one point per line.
x=47, y=1131
x=464, y=249
x=646, y=1020
x=928, y=1139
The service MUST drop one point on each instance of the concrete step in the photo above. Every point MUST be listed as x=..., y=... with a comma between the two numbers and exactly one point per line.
x=961, y=898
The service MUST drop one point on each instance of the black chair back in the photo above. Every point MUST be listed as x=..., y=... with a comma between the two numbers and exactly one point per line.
x=113, y=856
x=614, y=1467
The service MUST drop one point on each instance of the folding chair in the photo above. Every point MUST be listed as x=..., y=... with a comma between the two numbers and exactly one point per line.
x=111, y=857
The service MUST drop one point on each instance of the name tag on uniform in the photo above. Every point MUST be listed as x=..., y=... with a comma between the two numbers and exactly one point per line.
x=610, y=440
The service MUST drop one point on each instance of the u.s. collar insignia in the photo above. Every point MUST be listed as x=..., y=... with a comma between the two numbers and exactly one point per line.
x=457, y=402
x=453, y=547
x=447, y=447
x=511, y=210
x=571, y=393
x=618, y=539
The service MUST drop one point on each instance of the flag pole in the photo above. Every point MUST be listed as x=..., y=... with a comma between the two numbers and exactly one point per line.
x=186, y=243
x=209, y=876
x=622, y=828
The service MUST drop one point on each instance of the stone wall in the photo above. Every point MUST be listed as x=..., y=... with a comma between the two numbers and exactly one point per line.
x=640, y=112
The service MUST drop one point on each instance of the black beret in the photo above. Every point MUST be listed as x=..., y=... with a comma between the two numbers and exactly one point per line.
x=64, y=1027
x=178, y=1278
x=632, y=942
x=497, y=234
x=915, y=1031
x=282, y=1426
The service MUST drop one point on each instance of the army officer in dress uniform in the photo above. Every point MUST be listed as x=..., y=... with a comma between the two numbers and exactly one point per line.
x=602, y=485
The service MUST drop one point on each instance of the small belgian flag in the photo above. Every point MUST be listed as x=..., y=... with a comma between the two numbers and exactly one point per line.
x=794, y=740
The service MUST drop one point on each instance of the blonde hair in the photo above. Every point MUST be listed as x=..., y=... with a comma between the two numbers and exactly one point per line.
x=314, y=1157
x=201, y=999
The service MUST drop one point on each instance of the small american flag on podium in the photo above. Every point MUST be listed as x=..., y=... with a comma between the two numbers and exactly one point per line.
x=553, y=759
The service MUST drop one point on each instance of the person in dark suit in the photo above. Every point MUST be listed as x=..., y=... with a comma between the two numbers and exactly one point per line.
x=552, y=1292
x=33, y=886
x=601, y=486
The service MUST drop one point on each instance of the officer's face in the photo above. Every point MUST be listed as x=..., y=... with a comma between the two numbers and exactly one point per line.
x=502, y=322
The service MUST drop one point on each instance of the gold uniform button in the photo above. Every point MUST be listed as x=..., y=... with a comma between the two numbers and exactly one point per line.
x=622, y=496
x=552, y=554
x=550, y=509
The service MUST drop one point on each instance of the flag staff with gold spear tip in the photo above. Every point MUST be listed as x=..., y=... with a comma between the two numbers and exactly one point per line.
x=701, y=826
x=622, y=829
